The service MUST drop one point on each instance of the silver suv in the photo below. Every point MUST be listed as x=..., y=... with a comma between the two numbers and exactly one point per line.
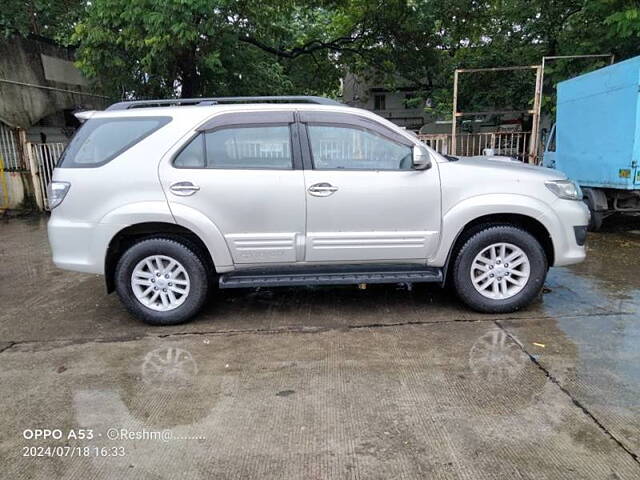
x=171, y=199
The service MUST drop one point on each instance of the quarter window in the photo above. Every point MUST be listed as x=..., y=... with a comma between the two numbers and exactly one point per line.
x=338, y=147
x=100, y=140
x=192, y=156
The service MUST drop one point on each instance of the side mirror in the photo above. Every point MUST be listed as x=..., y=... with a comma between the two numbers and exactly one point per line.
x=421, y=158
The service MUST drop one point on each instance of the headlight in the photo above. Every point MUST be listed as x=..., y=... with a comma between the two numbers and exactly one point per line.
x=56, y=191
x=565, y=189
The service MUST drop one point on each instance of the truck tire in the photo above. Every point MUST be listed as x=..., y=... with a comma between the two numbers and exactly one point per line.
x=596, y=200
x=500, y=269
x=162, y=281
x=595, y=218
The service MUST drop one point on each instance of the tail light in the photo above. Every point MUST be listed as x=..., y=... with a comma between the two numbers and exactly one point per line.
x=56, y=191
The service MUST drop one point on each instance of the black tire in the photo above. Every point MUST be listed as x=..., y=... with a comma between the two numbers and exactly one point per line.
x=192, y=263
x=595, y=221
x=483, y=239
x=595, y=218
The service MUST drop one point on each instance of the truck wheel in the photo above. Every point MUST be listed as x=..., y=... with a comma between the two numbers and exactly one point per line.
x=596, y=200
x=499, y=269
x=161, y=281
x=595, y=218
x=595, y=221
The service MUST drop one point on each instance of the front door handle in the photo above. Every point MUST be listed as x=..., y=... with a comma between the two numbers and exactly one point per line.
x=322, y=189
x=183, y=189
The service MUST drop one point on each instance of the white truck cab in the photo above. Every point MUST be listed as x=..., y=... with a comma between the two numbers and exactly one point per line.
x=170, y=199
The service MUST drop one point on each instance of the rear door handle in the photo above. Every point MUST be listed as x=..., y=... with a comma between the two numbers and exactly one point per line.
x=322, y=189
x=183, y=189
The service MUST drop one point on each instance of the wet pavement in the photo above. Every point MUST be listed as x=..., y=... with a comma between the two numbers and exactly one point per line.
x=387, y=382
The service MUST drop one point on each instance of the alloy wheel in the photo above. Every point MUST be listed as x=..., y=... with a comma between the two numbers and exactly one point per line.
x=500, y=271
x=160, y=283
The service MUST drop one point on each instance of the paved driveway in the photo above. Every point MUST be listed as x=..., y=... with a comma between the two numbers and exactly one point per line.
x=387, y=382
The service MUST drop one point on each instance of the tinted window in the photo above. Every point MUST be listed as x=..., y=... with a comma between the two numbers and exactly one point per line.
x=249, y=147
x=337, y=147
x=102, y=139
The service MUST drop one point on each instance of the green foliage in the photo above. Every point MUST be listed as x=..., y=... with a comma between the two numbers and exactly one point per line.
x=442, y=36
x=159, y=48
x=152, y=48
x=626, y=22
x=49, y=18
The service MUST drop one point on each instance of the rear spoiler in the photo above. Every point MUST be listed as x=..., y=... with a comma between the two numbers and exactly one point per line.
x=84, y=115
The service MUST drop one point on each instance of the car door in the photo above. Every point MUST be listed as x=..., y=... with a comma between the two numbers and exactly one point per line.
x=243, y=171
x=365, y=202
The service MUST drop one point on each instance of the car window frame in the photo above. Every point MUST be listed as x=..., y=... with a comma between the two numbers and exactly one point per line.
x=294, y=143
x=310, y=164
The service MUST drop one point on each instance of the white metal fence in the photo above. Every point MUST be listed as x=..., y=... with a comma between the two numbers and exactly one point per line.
x=511, y=144
x=9, y=149
x=44, y=156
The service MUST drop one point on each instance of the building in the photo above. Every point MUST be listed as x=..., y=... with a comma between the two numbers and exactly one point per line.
x=394, y=105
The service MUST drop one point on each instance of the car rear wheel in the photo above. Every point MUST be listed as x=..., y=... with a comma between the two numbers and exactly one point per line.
x=500, y=269
x=161, y=281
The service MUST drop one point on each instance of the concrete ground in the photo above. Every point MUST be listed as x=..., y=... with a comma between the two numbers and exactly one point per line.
x=316, y=383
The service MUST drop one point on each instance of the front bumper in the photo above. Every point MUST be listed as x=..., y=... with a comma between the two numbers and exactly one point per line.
x=581, y=234
x=570, y=232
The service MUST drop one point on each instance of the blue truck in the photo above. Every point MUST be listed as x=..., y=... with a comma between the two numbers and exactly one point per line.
x=596, y=138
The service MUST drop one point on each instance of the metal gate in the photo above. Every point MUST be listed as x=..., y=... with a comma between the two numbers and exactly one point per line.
x=10, y=161
x=9, y=149
x=510, y=144
x=44, y=156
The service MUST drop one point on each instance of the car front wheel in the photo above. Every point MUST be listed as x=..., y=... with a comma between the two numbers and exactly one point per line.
x=500, y=269
x=161, y=281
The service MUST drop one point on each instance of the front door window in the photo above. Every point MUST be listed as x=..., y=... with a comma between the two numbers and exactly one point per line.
x=348, y=148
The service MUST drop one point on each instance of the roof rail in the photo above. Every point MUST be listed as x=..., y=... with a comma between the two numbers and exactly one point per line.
x=176, y=102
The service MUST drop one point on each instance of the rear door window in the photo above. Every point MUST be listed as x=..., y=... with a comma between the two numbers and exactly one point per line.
x=242, y=147
x=249, y=147
x=100, y=140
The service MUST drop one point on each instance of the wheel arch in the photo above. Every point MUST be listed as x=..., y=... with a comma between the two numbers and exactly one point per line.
x=525, y=222
x=128, y=236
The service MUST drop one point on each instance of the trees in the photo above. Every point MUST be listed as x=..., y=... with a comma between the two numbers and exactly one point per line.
x=159, y=48
x=151, y=48
x=50, y=18
x=442, y=36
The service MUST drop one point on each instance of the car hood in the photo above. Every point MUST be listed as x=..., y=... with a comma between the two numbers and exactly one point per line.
x=514, y=168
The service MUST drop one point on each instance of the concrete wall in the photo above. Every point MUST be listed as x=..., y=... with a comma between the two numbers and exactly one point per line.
x=37, y=61
x=15, y=190
x=39, y=89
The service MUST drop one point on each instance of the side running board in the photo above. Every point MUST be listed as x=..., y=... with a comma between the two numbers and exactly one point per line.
x=349, y=275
